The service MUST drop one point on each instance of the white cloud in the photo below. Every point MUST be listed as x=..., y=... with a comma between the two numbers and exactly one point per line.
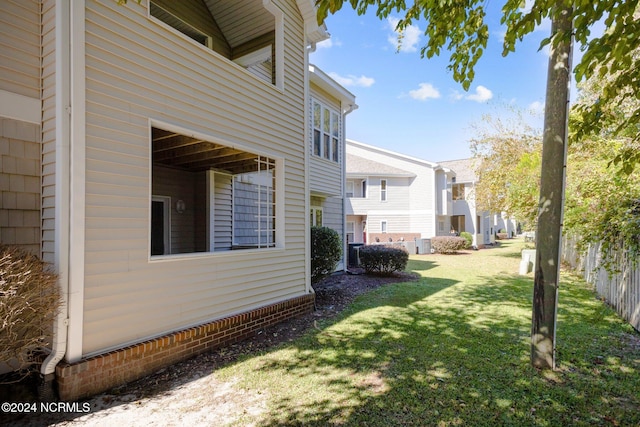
x=482, y=94
x=410, y=36
x=351, y=80
x=424, y=92
x=455, y=95
x=536, y=107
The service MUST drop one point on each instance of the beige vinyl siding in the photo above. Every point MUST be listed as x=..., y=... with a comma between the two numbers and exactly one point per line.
x=325, y=176
x=136, y=70
x=20, y=47
x=48, y=130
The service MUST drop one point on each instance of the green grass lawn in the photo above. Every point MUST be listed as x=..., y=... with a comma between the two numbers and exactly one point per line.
x=451, y=349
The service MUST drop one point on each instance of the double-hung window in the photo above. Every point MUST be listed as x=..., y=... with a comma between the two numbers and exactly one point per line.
x=326, y=132
x=383, y=190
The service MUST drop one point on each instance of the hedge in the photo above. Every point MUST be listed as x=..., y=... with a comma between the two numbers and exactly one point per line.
x=383, y=260
x=326, y=251
x=448, y=244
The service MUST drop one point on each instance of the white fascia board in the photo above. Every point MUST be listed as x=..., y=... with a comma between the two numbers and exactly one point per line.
x=315, y=33
x=391, y=153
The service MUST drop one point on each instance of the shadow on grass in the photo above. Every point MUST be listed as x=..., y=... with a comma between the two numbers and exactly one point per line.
x=437, y=354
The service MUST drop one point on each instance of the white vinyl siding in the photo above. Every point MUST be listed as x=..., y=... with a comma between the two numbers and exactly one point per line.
x=137, y=70
x=20, y=45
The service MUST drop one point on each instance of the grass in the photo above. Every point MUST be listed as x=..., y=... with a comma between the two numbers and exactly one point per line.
x=451, y=349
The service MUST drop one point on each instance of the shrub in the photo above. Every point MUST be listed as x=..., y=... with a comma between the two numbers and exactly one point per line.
x=29, y=300
x=383, y=260
x=468, y=237
x=448, y=244
x=326, y=251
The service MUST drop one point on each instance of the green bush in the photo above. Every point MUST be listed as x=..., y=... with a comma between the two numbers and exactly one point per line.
x=326, y=251
x=468, y=237
x=383, y=260
x=448, y=244
x=29, y=300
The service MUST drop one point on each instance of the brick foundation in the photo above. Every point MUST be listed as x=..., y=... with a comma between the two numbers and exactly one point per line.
x=100, y=373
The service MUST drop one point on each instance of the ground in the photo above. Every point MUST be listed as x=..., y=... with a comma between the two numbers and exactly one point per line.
x=186, y=393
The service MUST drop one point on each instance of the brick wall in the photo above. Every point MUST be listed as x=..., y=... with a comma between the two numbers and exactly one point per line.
x=20, y=184
x=100, y=373
x=384, y=237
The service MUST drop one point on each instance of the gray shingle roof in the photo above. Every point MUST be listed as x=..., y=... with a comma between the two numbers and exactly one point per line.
x=360, y=166
x=464, y=169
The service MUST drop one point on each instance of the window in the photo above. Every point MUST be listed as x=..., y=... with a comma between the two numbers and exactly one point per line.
x=351, y=231
x=364, y=188
x=316, y=217
x=350, y=186
x=457, y=191
x=209, y=197
x=383, y=226
x=383, y=190
x=326, y=132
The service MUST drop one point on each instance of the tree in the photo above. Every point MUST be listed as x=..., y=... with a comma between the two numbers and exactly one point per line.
x=507, y=162
x=460, y=28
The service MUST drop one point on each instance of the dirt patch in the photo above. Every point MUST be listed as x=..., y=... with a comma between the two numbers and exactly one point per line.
x=187, y=394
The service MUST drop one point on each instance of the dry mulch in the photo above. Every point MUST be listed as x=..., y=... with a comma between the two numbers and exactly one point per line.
x=167, y=396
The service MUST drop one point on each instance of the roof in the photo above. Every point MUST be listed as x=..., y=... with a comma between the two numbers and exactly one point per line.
x=464, y=169
x=357, y=165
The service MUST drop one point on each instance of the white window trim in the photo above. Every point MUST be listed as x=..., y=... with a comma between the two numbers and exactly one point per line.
x=383, y=226
x=350, y=190
x=364, y=188
x=383, y=192
x=314, y=212
x=332, y=111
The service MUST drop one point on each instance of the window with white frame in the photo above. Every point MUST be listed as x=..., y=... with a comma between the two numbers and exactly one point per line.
x=316, y=217
x=350, y=188
x=383, y=190
x=351, y=231
x=457, y=191
x=383, y=226
x=326, y=132
x=210, y=197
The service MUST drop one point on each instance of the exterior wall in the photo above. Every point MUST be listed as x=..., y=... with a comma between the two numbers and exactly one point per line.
x=48, y=131
x=20, y=47
x=20, y=184
x=99, y=373
x=137, y=70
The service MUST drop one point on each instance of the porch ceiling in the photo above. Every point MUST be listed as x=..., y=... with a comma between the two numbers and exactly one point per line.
x=241, y=20
x=184, y=152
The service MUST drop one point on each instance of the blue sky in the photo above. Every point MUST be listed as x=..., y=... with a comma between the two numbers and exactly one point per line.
x=412, y=105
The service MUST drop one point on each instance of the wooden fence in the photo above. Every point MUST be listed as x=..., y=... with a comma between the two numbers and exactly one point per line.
x=621, y=290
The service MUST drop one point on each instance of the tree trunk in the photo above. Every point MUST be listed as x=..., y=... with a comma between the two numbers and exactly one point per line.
x=550, y=208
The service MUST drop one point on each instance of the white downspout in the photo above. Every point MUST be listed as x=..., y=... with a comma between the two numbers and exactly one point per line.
x=61, y=208
x=306, y=148
x=69, y=182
